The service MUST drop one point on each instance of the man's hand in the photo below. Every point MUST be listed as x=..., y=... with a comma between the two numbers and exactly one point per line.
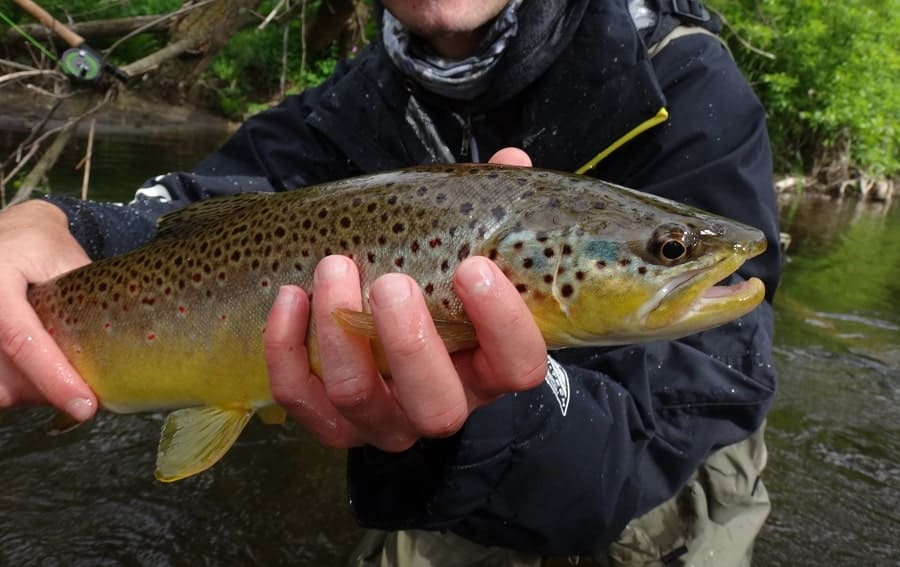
x=35, y=245
x=430, y=392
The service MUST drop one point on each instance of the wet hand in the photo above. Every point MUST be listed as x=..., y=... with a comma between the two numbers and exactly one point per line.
x=35, y=245
x=430, y=392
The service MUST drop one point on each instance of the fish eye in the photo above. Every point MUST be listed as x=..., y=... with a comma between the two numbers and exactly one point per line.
x=671, y=244
x=673, y=250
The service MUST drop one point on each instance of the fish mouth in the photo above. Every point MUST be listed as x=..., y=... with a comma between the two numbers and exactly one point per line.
x=692, y=302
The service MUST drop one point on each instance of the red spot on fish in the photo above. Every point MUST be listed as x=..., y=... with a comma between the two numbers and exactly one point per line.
x=132, y=288
x=181, y=309
x=222, y=276
x=51, y=331
x=148, y=301
x=223, y=317
x=107, y=325
x=151, y=337
x=434, y=242
x=265, y=283
x=197, y=277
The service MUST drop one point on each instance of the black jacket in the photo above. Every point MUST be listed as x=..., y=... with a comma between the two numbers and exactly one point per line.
x=640, y=419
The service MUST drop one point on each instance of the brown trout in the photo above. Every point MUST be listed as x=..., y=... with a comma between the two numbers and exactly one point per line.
x=178, y=323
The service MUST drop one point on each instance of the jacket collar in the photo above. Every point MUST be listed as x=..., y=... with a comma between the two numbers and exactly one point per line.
x=599, y=89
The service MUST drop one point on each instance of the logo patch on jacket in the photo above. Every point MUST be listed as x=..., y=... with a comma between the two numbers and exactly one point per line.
x=558, y=380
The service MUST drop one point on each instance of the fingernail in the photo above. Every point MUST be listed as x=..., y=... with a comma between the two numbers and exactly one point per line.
x=476, y=276
x=80, y=408
x=390, y=290
x=331, y=269
x=286, y=299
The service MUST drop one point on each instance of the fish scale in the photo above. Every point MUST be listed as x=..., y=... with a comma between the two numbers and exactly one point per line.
x=178, y=323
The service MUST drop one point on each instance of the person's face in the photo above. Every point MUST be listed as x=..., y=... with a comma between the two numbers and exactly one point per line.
x=435, y=20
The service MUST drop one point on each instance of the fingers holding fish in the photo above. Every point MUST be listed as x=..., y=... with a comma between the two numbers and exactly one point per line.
x=511, y=355
x=511, y=156
x=423, y=377
x=293, y=386
x=29, y=353
x=349, y=372
x=33, y=369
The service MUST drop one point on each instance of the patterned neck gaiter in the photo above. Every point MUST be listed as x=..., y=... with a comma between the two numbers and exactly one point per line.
x=462, y=79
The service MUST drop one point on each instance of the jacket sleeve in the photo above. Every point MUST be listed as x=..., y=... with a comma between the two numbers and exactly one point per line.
x=613, y=432
x=274, y=150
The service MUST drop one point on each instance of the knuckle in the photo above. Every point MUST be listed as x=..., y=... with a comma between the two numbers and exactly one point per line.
x=534, y=376
x=442, y=424
x=406, y=348
x=14, y=342
x=349, y=394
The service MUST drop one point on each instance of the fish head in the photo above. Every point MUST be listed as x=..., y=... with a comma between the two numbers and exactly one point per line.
x=637, y=271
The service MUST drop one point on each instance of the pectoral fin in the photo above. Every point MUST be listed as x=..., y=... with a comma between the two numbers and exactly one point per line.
x=457, y=335
x=272, y=415
x=194, y=439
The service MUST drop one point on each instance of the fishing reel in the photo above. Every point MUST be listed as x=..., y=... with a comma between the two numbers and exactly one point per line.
x=82, y=63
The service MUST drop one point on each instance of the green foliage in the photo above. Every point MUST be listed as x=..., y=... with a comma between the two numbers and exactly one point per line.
x=835, y=77
x=251, y=66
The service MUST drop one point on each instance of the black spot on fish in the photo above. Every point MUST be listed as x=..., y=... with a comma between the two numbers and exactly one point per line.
x=371, y=257
x=445, y=265
x=371, y=207
x=346, y=222
x=440, y=198
x=399, y=261
x=579, y=275
x=522, y=288
x=307, y=224
x=466, y=208
x=392, y=200
x=624, y=261
x=600, y=264
x=498, y=212
x=527, y=263
x=567, y=290
x=548, y=252
x=279, y=232
x=642, y=270
x=429, y=288
x=414, y=246
x=421, y=191
x=323, y=213
x=463, y=252
x=399, y=227
x=567, y=250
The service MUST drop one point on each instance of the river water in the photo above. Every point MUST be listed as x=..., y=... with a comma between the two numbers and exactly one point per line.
x=88, y=497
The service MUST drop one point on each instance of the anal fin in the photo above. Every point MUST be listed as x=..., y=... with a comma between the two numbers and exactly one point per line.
x=194, y=439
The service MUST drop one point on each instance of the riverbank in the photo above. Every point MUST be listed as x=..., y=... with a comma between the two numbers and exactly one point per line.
x=131, y=115
x=126, y=114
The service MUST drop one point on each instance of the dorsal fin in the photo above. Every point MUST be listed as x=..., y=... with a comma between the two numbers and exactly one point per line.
x=206, y=213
